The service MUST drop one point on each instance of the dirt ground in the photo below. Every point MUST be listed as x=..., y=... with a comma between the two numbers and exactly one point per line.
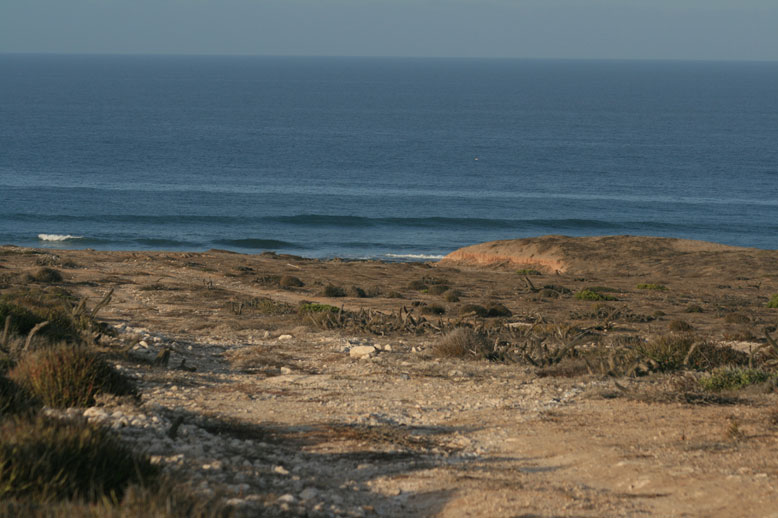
x=328, y=427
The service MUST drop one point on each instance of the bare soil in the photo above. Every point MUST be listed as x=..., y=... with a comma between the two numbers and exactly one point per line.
x=402, y=432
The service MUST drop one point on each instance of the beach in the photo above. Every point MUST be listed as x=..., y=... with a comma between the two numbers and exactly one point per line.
x=285, y=386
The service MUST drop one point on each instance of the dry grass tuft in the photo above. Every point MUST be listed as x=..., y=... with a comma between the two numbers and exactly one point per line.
x=68, y=376
x=47, y=459
x=290, y=281
x=463, y=342
x=46, y=275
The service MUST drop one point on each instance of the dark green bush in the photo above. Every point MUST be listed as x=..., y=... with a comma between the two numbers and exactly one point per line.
x=474, y=308
x=46, y=275
x=589, y=294
x=290, y=281
x=733, y=378
x=68, y=376
x=30, y=307
x=498, y=310
x=671, y=352
x=773, y=303
x=48, y=459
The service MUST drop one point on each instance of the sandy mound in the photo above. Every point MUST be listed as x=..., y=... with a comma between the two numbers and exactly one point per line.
x=615, y=254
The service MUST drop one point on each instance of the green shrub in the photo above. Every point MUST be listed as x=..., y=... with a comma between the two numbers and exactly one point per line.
x=528, y=271
x=333, y=291
x=733, y=378
x=589, y=294
x=773, y=303
x=315, y=307
x=652, y=286
x=68, y=376
x=45, y=459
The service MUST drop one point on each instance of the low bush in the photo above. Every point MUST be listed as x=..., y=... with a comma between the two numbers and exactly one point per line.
x=30, y=307
x=737, y=318
x=693, y=308
x=773, y=302
x=417, y=285
x=652, y=286
x=528, y=271
x=680, y=326
x=315, y=307
x=46, y=275
x=462, y=342
x=733, y=378
x=498, y=310
x=357, y=292
x=677, y=351
x=46, y=459
x=13, y=399
x=333, y=291
x=68, y=376
x=474, y=308
x=433, y=309
x=290, y=281
x=437, y=289
x=589, y=294
x=452, y=296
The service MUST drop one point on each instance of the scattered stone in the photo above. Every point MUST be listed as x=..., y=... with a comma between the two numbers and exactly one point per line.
x=285, y=337
x=362, y=351
x=308, y=493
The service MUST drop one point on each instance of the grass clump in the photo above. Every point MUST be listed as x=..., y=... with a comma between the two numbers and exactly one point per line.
x=652, y=286
x=290, y=281
x=47, y=459
x=357, y=292
x=680, y=326
x=417, y=285
x=433, y=309
x=462, y=342
x=693, y=308
x=333, y=291
x=437, y=289
x=315, y=307
x=773, y=303
x=498, y=310
x=64, y=376
x=13, y=399
x=528, y=271
x=452, y=296
x=734, y=378
x=590, y=294
x=45, y=275
x=678, y=351
x=479, y=310
x=30, y=307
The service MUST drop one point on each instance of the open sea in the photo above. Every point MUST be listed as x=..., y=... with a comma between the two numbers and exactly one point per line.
x=385, y=158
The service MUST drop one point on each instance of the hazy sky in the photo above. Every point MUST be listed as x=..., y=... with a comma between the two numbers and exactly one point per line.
x=666, y=29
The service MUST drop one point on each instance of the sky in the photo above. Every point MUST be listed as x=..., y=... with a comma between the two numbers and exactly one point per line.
x=560, y=29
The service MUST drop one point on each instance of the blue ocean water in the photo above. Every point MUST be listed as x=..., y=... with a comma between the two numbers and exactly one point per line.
x=381, y=158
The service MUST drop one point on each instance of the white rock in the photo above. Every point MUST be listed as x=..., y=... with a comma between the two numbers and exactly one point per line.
x=286, y=370
x=144, y=344
x=388, y=348
x=285, y=337
x=286, y=499
x=95, y=413
x=280, y=470
x=362, y=351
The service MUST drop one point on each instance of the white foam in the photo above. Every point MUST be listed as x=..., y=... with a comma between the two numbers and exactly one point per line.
x=414, y=256
x=56, y=237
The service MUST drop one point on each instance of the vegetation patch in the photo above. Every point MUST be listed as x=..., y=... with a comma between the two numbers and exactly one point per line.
x=45, y=275
x=68, y=376
x=27, y=308
x=47, y=459
x=773, y=303
x=333, y=291
x=479, y=310
x=437, y=289
x=463, y=342
x=589, y=294
x=290, y=281
x=528, y=271
x=498, y=310
x=734, y=378
x=693, y=308
x=315, y=307
x=433, y=309
x=13, y=399
x=652, y=286
x=452, y=296
x=678, y=351
x=417, y=285
x=357, y=292
x=680, y=326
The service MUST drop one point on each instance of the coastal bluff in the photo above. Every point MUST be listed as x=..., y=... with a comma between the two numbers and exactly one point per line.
x=618, y=255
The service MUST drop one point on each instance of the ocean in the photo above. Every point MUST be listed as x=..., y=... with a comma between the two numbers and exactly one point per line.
x=385, y=158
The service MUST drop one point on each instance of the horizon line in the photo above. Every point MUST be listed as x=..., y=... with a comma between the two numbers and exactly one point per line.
x=386, y=56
